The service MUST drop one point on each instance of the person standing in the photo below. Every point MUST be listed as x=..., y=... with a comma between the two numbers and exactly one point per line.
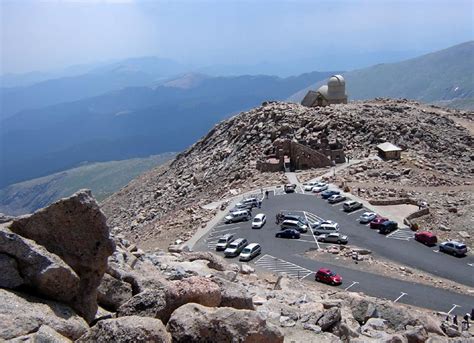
x=455, y=320
x=266, y=194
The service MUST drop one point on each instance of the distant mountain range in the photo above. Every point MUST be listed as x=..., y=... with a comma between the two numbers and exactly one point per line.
x=96, y=81
x=102, y=178
x=131, y=122
x=444, y=77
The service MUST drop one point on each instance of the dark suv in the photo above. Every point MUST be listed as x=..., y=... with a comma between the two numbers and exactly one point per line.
x=288, y=233
x=387, y=227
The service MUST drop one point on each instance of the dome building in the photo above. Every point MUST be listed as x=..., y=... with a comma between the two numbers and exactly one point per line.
x=332, y=93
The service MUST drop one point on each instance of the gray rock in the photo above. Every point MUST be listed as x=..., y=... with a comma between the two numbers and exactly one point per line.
x=416, y=334
x=234, y=295
x=112, y=293
x=75, y=230
x=128, y=329
x=45, y=334
x=196, y=323
x=21, y=314
x=41, y=270
x=215, y=262
x=286, y=321
x=246, y=269
x=311, y=327
x=160, y=303
x=330, y=318
x=9, y=272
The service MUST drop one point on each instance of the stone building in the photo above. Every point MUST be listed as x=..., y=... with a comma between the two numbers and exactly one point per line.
x=332, y=93
x=288, y=155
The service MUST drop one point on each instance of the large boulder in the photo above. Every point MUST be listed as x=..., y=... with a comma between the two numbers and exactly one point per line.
x=113, y=293
x=40, y=270
x=21, y=314
x=234, y=295
x=11, y=277
x=128, y=329
x=330, y=319
x=214, y=261
x=75, y=229
x=160, y=303
x=196, y=323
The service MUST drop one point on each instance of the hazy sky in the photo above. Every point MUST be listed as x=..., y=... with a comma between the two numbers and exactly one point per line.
x=38, y=35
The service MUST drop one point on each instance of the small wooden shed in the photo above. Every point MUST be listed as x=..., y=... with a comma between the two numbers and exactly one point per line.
x=389, y=151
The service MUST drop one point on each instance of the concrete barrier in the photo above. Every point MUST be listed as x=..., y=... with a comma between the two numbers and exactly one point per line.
x=397, y=201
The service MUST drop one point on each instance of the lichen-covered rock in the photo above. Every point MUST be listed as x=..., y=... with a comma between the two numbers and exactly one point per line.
x=11, y=278
x=21, y=314
x=127, y=329
x=234, y=295
x=112, y=293
x=75, y=230
x=45, y=334
x=160, y=303
x=41, y=270
x=196, y=323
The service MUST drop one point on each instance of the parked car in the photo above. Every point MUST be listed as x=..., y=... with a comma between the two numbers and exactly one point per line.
x=335, y=237
x=336, y=198
x=309, y=186
x=321, y=186
x=388, y=226
x=250, y=251
x=326, y=229
x=288, y=233
x=224, y=241
x=248, y=203
x=294, y=224
x=318, y=224
x=237, y=216
x=290, y=216
x=290, y=188
x=235, y=247
x=375, y=224
x=367, y=217
x=351, y=205
x=329, y=193
x=259, y=220
x=453, y=247
x=327, y=276
x=426, y=237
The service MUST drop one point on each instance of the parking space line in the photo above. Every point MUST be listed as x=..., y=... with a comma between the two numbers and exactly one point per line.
x=355, y=211
x=304, y=277
x=403, y=294
x=452, y=308
x=217, y=233
x=278, y=265
x=336, y=204
x=401, y=234
x=352, y=284
x=314, y=237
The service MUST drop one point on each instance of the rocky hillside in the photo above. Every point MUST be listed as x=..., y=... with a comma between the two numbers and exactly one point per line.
x=65, y=278
x=163, y=204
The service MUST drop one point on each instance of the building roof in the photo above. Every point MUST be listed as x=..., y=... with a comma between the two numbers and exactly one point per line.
x=388, y=147
x=309, y=99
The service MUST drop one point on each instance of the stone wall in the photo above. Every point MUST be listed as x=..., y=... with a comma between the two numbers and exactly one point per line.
x=303, y=157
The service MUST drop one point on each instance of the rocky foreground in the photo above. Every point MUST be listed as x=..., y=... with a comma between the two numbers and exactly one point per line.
x=65, y=278
x=164, y=204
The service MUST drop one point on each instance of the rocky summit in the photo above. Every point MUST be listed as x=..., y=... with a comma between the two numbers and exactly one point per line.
x=165, y=204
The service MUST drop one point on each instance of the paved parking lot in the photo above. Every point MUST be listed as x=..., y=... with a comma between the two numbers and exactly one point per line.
x=286, y=255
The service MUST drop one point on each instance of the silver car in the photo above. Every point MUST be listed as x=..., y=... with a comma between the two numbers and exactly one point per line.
x=367, y=217
x=453, y=247
x=333, y=238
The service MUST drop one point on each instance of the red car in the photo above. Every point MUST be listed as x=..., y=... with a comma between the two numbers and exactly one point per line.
x=426, y=238
x=375, y=224
x=327, y=276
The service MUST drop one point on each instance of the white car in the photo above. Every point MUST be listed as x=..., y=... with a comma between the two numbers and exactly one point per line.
x=326, y=229
x=335, y=237
x=336, y=198
x=321, y=186
x=367, y=217
x=318, y=224
x=250, y=251
x=309, y=186
x=259, y=220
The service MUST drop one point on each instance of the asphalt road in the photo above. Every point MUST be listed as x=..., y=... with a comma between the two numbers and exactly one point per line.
x=284, y=255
